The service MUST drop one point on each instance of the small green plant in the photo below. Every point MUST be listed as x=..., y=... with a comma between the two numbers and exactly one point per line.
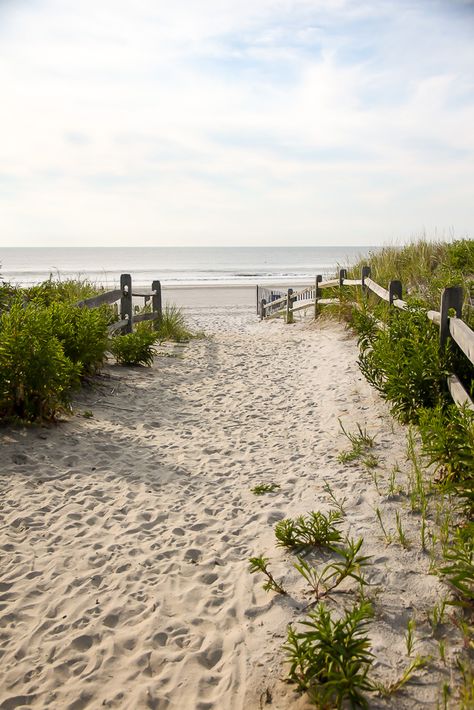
x=260, y=564
x=442, y=651
x=410, y=636
x=445, y=528
x=466, y=699
x=416, y=483
x=423, y=527
x=387, y=690
x=331, y=575
x=433, y=569
x=331, y=658
x=360, y=442
x=339, y=504
x=313, y=530
x=402, y=538
x=375, y=478
x=87, y=414
x=387, y=536
x=134, y=348
x=262, y=488
x=436, y=616
x=172, y=325
x=370, y=461
x=393, y=488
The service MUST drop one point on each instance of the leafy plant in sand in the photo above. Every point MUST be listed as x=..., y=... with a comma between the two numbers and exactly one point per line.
x=360, y=441
x=459, y=559
x=447, y=435
x=330, y=657
x=134, y=348
x=260, y=564
x=262, y=488
x=403, y=364
x=324, y=581
x=312, y=530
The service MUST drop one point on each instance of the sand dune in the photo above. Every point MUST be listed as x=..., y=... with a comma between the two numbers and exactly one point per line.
x=125, y=537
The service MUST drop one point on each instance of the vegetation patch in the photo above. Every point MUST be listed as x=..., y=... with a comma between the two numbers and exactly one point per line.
x=313, y=530
x=134, y=349
x=36, y=376
x=262, y=488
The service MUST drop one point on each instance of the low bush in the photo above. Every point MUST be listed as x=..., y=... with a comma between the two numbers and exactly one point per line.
x=82, y=332
x=36, y=377
x=134, y=348
x=331, y=658
x=447, y=435
x=402, y=362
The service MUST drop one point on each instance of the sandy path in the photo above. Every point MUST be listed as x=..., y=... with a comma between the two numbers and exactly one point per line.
x=125, y=537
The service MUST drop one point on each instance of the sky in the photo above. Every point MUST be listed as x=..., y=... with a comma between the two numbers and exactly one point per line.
x=235, y=122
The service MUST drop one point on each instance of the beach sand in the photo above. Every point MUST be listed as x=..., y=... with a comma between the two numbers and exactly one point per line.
x=125, y=535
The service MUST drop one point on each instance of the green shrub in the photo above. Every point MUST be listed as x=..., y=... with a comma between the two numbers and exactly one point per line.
x=82, y=332
x=448, y=441
x=8, y=295
x=403, y=364
x=36, y=377
x=331, y=659
x=447, y=435
x=57, y=290
x=134, y=348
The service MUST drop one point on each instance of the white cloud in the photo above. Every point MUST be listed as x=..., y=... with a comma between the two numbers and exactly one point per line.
x=234, y=122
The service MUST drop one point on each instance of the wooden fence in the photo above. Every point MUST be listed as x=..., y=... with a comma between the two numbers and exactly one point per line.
x=286, y=304
x=124, y=297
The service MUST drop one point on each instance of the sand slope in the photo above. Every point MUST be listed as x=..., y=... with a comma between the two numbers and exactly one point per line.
x=125, y=537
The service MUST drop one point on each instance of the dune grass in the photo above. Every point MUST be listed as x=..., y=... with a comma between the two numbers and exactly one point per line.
x=424, y=267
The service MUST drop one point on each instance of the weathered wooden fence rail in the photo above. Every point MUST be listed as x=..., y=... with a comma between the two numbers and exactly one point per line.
x=123, y=296
x=450, y=326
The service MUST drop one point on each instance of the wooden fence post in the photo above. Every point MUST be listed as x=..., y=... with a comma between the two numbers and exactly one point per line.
x=289, y=306
x=364, y=275
x=126, y=307
x=317, y=294
x=394, y=291
x=156, y=304
x=262, y=308
x=451, y=297
x=342, y=276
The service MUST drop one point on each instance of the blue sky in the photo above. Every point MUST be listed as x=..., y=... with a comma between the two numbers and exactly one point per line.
x=225, y=122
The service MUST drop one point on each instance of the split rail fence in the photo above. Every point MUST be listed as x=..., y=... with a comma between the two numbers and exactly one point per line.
x=271, y=304
x=123, y=296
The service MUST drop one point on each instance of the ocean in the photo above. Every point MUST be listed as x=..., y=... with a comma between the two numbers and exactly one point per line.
x=176, y=266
